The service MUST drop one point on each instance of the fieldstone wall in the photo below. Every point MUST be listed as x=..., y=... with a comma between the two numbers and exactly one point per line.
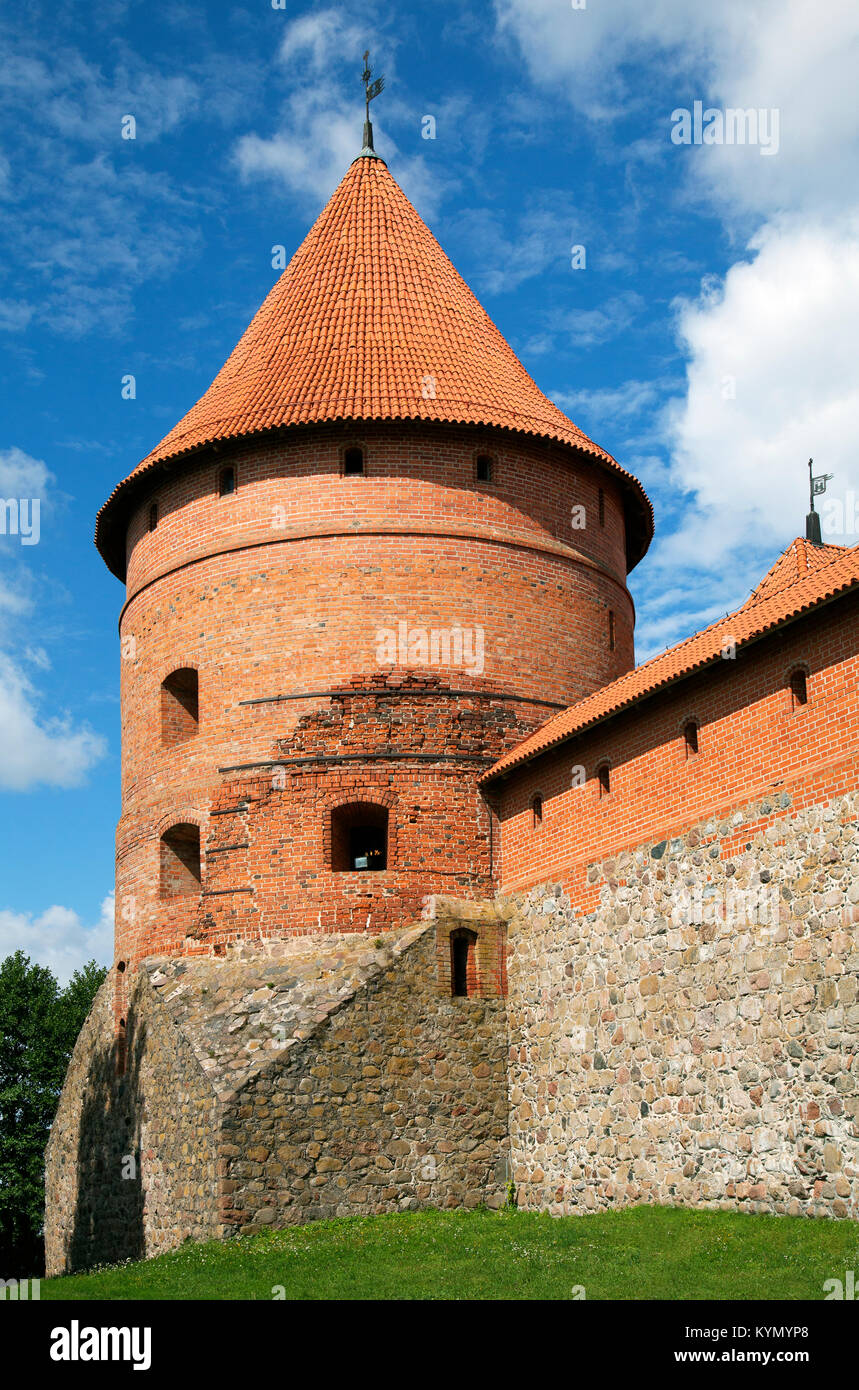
x=395, y=1101
x=287, y=1080
x=694, y=1040
x=130, y=1164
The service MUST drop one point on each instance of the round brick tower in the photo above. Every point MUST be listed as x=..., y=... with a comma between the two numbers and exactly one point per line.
x=369, y=560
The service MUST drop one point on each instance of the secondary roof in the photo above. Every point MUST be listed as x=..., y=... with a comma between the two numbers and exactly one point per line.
x=803, y=577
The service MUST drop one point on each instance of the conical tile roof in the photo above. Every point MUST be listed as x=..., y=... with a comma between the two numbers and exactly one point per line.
x=370, y=321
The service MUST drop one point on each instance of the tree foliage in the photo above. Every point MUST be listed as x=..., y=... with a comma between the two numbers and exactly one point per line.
x=39, y=1024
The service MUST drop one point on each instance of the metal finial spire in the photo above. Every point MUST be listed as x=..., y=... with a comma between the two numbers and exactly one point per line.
x=371, y=90
x=816, y=488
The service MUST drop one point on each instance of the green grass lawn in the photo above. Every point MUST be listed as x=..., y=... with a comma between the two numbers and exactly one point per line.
x=639, y=1252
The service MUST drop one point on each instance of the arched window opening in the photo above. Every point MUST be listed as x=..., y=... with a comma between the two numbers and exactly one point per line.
x=604, y=777
x=483, y=464
x=536, y=811
x=359, y=837
x=690, y=738
x=611, y=634
x=353, y=461
x=798, y=687
x=180, y=706
x=153, y=516
x=602, y=507
x=463, y=962
x=180, y=861
x=226, y=482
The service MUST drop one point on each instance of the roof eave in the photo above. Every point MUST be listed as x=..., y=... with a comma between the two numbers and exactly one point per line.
x=112, y=517
x=490, y=777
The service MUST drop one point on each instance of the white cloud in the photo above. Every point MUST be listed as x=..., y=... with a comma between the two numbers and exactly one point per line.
x=87, y=218
x=589, y=326
x=798, y=58
x=14, y=315
x=317, y=140
x=780, y=333
x=21, y=475
x=320, y=125
x=310, y=153
x=34, y=749
x=783, y=321
x=611, y=402
x=319, y=128
x=314, y=41
x=542, y=239
x=58, y=938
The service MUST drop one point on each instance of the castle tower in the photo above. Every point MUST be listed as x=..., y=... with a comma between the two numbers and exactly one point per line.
x=370, y=559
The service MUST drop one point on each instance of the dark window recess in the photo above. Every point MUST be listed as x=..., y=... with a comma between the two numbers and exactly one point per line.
x=604, y=775
x=359, y=838
x=602, y=507
x=180, y=861
x=611, y=630
x=463, y=971
x=799, y=688
x=484, y=468
x=353, y=461
x=226, y=482
x=121, y=1048
x=180, y=706
x=690, y=738
x=153, y=516
x=537, y=811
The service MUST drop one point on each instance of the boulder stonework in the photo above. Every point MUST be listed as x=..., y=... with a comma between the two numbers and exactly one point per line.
x=131, y=1162
x=312, y=1077
x=695, y=1040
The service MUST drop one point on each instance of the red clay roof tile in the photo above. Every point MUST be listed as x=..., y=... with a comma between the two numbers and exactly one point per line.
x=370, y=320
x=802, y=577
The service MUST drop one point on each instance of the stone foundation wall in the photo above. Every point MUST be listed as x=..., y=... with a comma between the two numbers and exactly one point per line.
x=282, y=1082
x=397, y=1101
x=694, y=1040
x=130, y=1164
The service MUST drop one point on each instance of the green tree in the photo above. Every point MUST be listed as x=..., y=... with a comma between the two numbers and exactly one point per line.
x=39, y=1023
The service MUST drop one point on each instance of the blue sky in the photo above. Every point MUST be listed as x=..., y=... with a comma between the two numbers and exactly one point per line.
x=709, y=342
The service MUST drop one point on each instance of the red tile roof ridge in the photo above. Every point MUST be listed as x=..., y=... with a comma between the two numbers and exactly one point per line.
x=794, y=563
x=746, y=624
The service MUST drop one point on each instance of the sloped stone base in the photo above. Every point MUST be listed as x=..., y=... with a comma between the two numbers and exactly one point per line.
x=298, y=1079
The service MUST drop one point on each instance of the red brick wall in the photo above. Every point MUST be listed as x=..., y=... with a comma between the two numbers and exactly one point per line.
x=280, y=590
x=752, y=741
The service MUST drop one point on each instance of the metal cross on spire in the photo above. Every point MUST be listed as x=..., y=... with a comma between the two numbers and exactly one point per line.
x=816, y=488
x=371, y=90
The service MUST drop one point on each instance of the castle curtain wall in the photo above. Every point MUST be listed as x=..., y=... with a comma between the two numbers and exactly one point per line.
x=752, y=739
x=684, y=975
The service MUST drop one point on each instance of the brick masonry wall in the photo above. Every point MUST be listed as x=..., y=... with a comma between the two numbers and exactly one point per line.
x=281, y=589
x=752, y=741
x=270, y=867
x=694, y=1039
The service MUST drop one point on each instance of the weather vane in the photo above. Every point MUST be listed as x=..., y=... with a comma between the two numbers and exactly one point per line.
x=371, y=90
x=816, y=488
